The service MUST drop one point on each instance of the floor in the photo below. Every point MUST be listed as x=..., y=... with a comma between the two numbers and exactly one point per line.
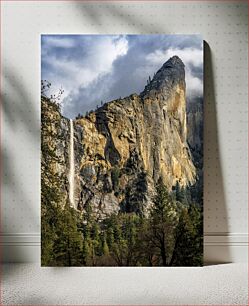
x=29, y=284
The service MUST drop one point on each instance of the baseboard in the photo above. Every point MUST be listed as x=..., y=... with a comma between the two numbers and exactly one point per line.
x=20, y=247
x=218, y=247
x=225, y=247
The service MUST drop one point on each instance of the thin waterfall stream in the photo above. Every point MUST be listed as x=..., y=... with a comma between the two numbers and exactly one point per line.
x=71, y=166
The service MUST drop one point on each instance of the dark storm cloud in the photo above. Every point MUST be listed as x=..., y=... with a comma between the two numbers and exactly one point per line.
x=96, y=67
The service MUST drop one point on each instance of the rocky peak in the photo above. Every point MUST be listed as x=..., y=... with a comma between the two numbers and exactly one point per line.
x=172, y=73
x=174, y=62
x=128, y=144
x=124, y=147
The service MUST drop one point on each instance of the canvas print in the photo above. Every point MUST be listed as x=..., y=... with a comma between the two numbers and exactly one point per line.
x=121, y=150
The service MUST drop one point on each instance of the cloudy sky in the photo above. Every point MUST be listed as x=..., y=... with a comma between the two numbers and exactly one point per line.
x=95, y=68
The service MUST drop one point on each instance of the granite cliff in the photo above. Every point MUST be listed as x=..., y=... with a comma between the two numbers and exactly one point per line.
x=124, y=147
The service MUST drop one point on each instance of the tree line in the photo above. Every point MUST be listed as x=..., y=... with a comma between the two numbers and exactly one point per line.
x=169, y=234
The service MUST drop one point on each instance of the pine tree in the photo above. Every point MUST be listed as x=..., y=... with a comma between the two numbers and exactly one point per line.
x=110, y=237
x=85, y=252
x=105, y=247
x=51, y=181
x=188, y=250
x=162, y=221
x=68, y=244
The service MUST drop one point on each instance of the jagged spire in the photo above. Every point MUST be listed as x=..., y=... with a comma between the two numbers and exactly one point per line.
x=173, y=62
x=171, y=73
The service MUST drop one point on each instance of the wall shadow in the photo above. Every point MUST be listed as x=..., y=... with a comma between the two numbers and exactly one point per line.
x=215, y=208
x=123, y=17
x=19, y=120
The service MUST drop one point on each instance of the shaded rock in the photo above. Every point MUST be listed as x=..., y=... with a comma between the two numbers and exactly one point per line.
x=123, y=148
x=134, y=141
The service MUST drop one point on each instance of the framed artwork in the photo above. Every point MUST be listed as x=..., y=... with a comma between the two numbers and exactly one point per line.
x=122, y=150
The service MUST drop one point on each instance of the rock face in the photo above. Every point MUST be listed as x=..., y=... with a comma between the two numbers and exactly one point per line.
x=195, y=124
x=54, y=147
x=125, y=146
x=195, y=141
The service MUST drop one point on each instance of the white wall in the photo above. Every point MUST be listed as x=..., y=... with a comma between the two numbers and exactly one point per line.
x=224, y=28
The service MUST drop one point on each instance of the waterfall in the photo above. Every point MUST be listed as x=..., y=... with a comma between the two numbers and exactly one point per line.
x=71, y=166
